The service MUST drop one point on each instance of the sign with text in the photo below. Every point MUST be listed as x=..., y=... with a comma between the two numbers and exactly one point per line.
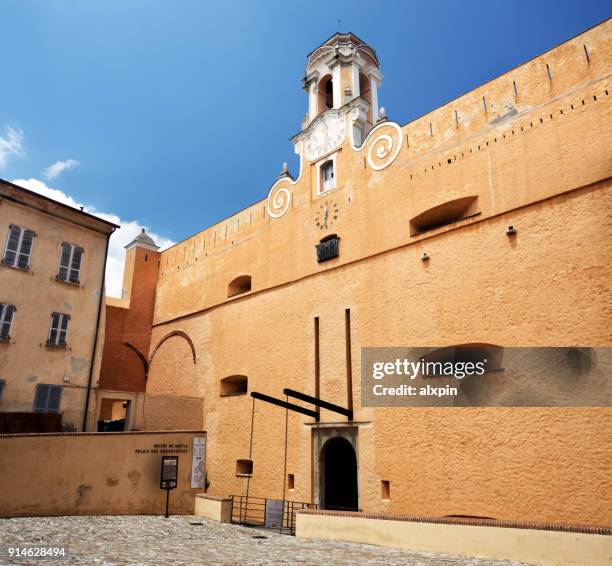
x=197, y=462
x=169, y=472
x=485, y=375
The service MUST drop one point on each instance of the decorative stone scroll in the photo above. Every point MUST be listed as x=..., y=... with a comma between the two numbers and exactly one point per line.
x=279, y=200
x=384, y=143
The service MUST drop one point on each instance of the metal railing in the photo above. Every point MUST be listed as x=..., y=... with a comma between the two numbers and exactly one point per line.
x=264, y=513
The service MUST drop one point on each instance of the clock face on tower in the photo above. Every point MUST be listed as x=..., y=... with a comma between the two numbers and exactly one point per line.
x=327, y=134
x=326, y=215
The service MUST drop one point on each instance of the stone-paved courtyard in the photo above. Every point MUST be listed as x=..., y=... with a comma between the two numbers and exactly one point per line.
x=193, y=540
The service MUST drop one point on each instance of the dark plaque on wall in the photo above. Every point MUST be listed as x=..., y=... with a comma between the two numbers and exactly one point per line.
x=328, y=248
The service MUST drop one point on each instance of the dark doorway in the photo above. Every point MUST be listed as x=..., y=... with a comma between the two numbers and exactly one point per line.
x=340, y=475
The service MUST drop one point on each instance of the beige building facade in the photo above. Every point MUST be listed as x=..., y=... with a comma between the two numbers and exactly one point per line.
x=486, y=220
x=51, y=297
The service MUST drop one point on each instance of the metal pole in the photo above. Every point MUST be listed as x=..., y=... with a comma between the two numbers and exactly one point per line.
x=250, y=460
x=167, y=501
x=95, y=344
x=285, y=463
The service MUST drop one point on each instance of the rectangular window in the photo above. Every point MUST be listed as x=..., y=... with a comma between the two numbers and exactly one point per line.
x=71, y=257
x=47, y=399
x=329, y=181
x=18, y=247
x=58, y=330
x=7, y=313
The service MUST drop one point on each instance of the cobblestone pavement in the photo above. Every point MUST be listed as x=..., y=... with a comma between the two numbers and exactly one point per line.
x=193, y=540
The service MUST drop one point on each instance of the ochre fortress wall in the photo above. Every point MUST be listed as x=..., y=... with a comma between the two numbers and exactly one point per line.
x=535, y=150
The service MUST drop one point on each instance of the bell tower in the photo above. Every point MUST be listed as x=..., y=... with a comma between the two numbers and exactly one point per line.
x=340, y=71
x=342, y=81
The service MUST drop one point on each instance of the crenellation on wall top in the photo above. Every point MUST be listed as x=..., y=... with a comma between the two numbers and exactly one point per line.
x=454, y=128
x=547, y=76
x=217, y=237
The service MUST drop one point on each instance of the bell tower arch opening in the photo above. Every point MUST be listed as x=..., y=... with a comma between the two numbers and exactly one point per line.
x=325, y=90
x=365, y=91
x=339, y=467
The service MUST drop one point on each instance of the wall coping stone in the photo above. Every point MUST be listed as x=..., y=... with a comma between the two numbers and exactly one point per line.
x=213, y=497
x=114, y=433
x=467, y=521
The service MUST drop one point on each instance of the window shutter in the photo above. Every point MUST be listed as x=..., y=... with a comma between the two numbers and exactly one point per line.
x=64, y=266
x=12, y=245
x=75, y=265
x=6, y=318
x=63, y=329
x=27, y=238
x=41, y=397
x=53, y=332
x=55, y=395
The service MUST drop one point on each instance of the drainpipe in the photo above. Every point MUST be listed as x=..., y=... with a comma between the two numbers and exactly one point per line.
x=95, y=344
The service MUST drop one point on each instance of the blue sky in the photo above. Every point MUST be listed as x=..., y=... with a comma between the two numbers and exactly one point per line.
x=175, y=114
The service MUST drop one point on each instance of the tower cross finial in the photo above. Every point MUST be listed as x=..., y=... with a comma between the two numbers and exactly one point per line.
x=338, y=25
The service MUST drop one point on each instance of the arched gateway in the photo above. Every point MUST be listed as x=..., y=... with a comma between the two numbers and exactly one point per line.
x=339, y=464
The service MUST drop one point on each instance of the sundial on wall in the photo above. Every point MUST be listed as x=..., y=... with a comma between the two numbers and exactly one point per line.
x=327, y=134
x=326, y=215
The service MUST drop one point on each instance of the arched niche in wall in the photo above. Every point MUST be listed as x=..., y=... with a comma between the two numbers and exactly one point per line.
x=444, y=214
x=239, y=285
x=173, y=367
x=143, y=359
x=178, y=333
x=234, y=385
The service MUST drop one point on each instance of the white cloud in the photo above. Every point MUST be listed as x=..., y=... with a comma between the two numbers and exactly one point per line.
x=54, y=170
x=10, y=145
x=122, y=237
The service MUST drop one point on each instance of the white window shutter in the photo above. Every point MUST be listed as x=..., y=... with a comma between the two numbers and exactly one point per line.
x=25, y=249
x=64, y=266
x=59, y=329
x=12, y=245
x=71, y=257
x=18, y=247
x=63, y=329
x=54, y=330
x=75, y=264
x=7, y=313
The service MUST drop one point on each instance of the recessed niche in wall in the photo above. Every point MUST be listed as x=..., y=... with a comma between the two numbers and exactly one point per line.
x=444, y=214
x=385, y=489
x=234, y=385
x=239, y=285
x=244, y=467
